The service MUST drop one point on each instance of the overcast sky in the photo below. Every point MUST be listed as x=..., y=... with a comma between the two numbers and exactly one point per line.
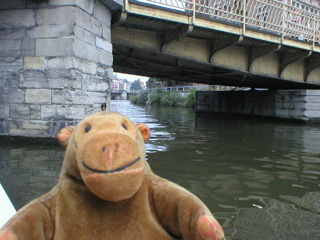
x=130, y=77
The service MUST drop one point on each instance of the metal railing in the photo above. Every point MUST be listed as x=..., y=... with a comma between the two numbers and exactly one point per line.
x=186, y=89
x=287, y=18
x=179, y=88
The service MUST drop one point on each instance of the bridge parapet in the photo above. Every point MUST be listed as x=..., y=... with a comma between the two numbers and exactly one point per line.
x=299, y=21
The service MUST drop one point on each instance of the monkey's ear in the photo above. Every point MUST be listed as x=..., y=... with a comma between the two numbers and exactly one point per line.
x=144, y=130
x=64, y=135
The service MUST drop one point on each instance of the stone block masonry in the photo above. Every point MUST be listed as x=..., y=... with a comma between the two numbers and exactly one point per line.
x=55, y=63
x=286, y=104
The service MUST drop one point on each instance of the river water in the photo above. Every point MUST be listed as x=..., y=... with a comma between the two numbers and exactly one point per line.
x=259, y=178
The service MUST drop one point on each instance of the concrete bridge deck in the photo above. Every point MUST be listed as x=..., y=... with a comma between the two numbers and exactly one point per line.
x=199, y=41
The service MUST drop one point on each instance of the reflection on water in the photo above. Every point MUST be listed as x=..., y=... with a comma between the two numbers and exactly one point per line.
x=310, y=201
x=259, y=178
x=138, y=114
x=28, y=172
x=277, y=220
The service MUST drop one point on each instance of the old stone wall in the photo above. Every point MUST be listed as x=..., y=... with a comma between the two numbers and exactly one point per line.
x=289, y=104
x=55, y=64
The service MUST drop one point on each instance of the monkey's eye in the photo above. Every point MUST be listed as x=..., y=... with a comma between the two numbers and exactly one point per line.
x=124, y=126
x=88, y=128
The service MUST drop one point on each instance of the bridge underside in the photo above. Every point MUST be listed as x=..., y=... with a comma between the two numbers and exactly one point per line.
x=146, y=43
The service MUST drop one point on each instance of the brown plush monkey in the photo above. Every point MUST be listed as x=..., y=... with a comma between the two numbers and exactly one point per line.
x=108, y=191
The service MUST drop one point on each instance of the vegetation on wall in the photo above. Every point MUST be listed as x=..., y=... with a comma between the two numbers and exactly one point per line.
x=162, y=98
x=141, y=98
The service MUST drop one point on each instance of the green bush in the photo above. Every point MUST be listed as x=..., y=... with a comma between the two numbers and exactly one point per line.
x=191, y=98
x=155, y=98
x=134, y=98
x=165, y=98
x=143, y=97
x=181, y=101
x=168, y=99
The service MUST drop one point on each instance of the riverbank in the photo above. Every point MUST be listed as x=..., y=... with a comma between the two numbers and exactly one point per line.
x=164, y=98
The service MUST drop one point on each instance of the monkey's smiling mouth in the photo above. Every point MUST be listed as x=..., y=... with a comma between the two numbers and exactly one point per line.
x=112, y=170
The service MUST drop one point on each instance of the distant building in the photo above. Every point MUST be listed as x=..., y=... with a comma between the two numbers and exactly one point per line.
x=119, y=85
x=128, y=85
x=116, y=85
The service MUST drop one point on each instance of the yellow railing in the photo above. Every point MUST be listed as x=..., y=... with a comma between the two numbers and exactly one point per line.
x=295, y=20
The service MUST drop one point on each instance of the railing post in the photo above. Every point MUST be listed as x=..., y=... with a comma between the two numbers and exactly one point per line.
x=193, y=12
x=283, y=21
x=126, y=5
x=314, y=31
x=244, y=17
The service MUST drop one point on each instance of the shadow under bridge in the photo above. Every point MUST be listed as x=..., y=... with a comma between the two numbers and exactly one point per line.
x=251, y=43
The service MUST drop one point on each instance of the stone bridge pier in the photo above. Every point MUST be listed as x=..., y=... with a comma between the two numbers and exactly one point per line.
x=55, y=63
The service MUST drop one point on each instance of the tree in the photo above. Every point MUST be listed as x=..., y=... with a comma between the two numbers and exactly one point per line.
x=153, y=83
x=135, y=85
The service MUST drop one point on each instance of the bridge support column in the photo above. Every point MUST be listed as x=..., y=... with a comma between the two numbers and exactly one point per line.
x=55, y=63
x=301, y=105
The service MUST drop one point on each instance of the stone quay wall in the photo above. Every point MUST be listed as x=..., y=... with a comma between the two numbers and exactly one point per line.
x=287, y=104
x=55, y=64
